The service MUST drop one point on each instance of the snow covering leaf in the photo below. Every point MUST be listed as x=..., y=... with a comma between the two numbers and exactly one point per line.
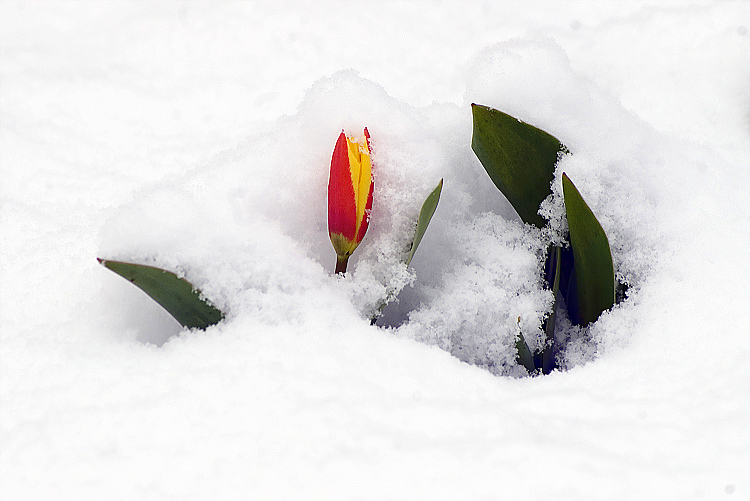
x=592, y=259
x=425, y=215
x=519, y=158
x=174, y=294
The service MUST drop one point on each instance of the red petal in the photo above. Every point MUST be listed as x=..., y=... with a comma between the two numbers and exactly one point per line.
x=342, y=210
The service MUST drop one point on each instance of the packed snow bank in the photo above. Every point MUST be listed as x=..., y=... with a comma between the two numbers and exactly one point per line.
x=296, y=395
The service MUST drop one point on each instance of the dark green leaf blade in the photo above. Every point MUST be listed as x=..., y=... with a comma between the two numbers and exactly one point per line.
x=425, y=215
x=553, y=278
x=592, y=258
x=519, y=158
x=174, y=294
x=523, y=354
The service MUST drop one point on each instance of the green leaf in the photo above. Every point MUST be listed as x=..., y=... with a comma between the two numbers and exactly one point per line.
x=592, y=259
x=425, y=215
x=174, y=294
x=523, y=354
x=553, y=274
x=519, y=158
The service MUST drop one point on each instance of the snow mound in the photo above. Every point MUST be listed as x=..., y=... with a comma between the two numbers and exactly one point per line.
x=249, y=227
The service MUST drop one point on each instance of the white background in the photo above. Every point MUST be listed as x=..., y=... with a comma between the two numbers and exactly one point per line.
x=197, y=136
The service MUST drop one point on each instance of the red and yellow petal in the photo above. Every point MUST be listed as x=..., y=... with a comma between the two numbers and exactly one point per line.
x=350, y=189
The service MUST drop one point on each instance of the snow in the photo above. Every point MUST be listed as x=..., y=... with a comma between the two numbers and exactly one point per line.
x=197, y=137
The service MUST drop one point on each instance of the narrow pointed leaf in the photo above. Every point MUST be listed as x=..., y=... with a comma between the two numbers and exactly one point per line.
x=592, y=259
x=174, y=294
x=425, y=215
x=519, y=158
x=523, y=354
x=553, y=277
x=567, y=271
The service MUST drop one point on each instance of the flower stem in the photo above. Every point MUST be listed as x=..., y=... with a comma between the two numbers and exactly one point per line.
x=341, y=264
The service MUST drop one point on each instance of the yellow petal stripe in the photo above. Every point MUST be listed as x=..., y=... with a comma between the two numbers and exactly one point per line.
x=361, y=171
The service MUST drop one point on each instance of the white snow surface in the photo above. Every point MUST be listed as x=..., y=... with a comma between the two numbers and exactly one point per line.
x=197, y=137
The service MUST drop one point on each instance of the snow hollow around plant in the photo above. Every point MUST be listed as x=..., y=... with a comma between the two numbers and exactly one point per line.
x=198, y=139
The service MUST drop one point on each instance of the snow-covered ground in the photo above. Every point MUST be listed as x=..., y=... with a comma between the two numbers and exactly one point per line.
x=198, y=136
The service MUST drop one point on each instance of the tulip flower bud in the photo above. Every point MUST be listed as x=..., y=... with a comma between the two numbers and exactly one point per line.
x=349, y=196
